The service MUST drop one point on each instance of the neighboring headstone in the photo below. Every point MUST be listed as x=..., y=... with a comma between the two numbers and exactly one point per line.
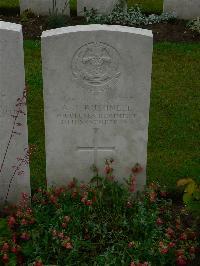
x=45, y=7
x=101, y=6
x=184, y=9
x=97, y=81
x=14, y=171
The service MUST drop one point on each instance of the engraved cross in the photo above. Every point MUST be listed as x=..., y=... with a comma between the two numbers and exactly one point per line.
x=96, y=148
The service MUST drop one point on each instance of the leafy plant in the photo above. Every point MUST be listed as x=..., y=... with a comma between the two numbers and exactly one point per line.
x=57, y=19
x=194, y=25
x=132, y=17
x=99, y=223
x=26, y=15
x=191, y=196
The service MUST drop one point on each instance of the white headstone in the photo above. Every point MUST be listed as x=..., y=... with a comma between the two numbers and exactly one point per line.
x=184, y=9
x=14, y=171
x=44, y=7
x=97, y=81
x=101, y=6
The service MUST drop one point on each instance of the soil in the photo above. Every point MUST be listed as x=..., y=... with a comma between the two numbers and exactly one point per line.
x=173, y=32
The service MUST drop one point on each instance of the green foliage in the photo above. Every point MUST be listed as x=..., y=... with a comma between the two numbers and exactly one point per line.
x=9, y=3
x=194, y=25
x=148, y=6
x=26, y=15
x=191, y=196
x=99, y=223
x=132, y=17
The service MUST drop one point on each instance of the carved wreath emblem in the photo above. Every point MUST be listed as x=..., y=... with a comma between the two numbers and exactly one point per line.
x=96, y=65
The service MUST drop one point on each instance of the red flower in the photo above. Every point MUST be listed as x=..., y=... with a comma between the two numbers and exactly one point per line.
x=137, y=169
x=11, y=221
x=163, y=194
x=170, y=231
x=164, y=251
x=5, y=258
x=181, y=261
x=171, y=245
x=14, y=238
x=108, y=169
x=129, y=204
x=180, y=252
x=159, y=221
x=68, y=245
x=5, y=247
x=25, y=236
x=133, y=181
x=88, y=203
x=71, y=184
x=132, y=263
x=64, y=225
x=53, y=199
x=14, y=249
x=74, y=194
x=23, y=222
x=183, y=236
x=38, y=263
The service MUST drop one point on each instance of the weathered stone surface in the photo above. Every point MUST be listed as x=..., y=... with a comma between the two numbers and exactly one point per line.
x=184, y=9
x=14, y=172
x=102, y=6
x=97, y=82
x=44, y=7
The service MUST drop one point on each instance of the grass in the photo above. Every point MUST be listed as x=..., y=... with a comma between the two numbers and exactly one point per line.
x=9, y=3
x=149, y=6
x=173, y=150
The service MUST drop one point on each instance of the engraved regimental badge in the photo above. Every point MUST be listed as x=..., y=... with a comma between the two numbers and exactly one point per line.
x=96, y=66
